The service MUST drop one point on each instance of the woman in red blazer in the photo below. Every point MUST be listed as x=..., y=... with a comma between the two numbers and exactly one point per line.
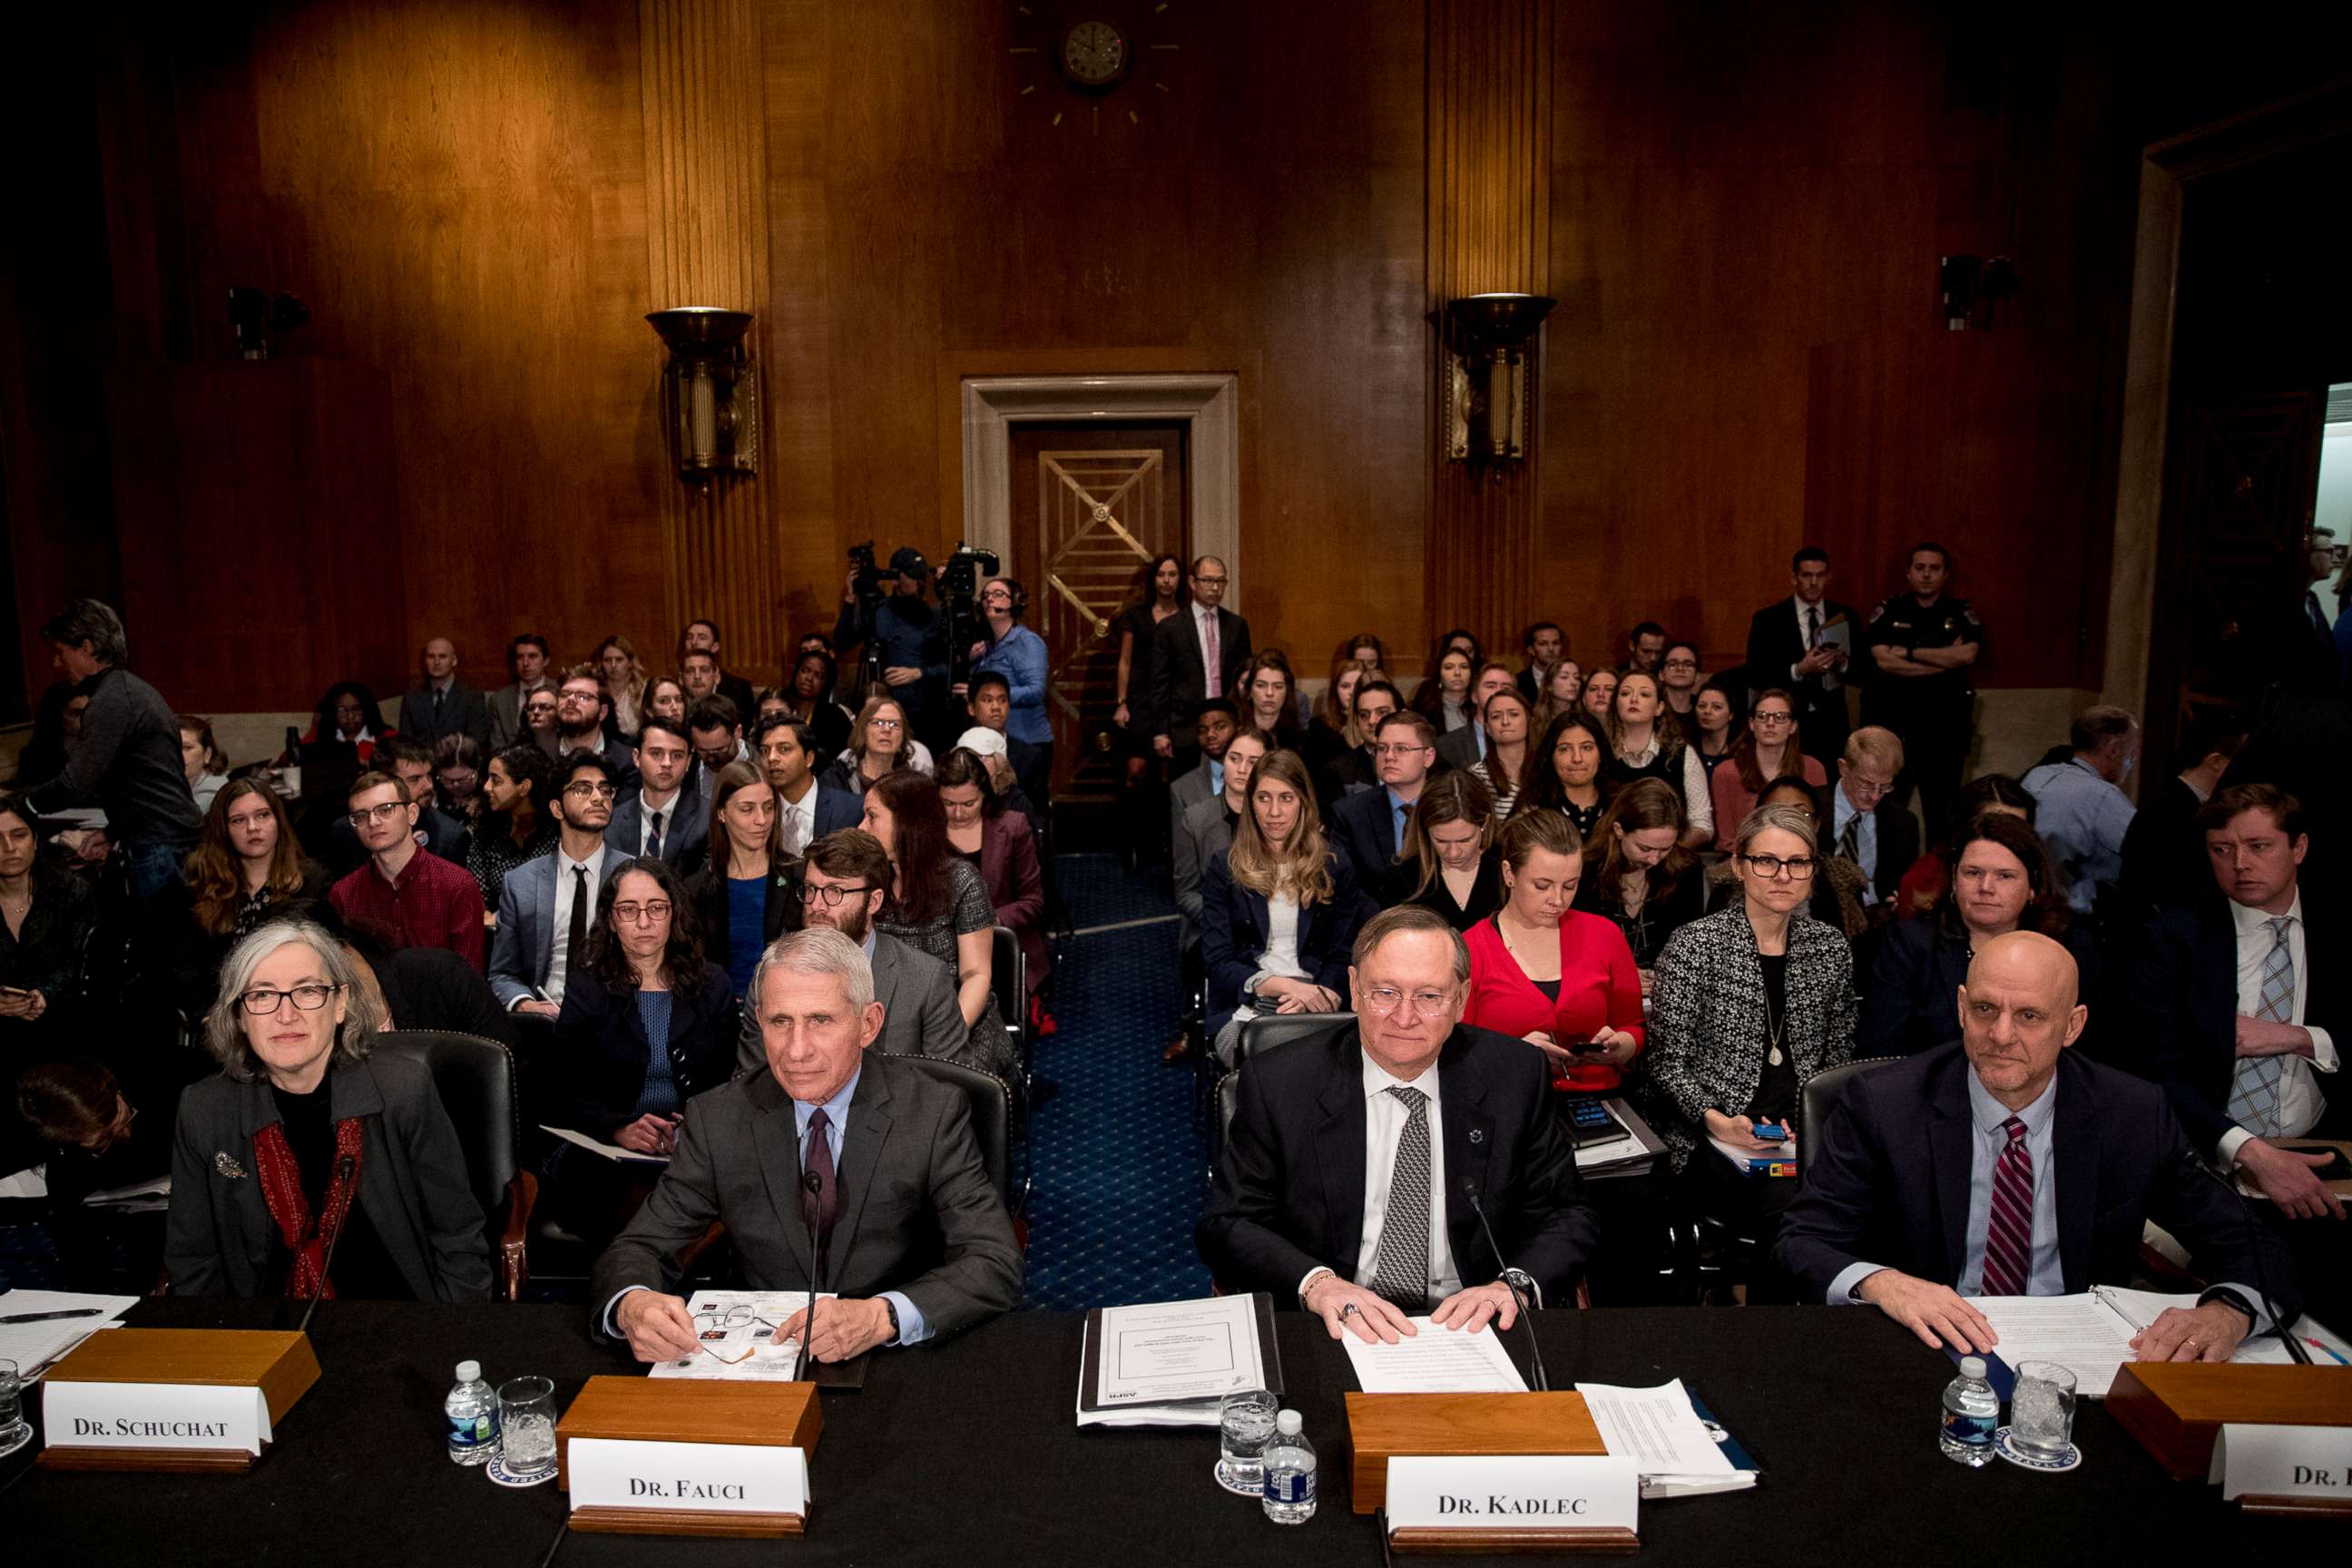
x=1550, y=974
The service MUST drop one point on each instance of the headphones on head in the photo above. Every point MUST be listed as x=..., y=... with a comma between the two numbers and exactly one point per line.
x=1019, y=596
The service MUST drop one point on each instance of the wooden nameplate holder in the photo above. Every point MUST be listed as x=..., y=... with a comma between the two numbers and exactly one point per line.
x=2177, y=1410
x=687, y=1410
x=1382, y=1426
x=278, y=1362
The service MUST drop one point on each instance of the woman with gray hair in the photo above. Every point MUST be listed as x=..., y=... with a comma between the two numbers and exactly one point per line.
x=302, y=1139
x=1749, y=1003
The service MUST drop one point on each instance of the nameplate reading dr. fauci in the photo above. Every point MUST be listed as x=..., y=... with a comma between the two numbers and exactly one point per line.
x=696, y=1477
x=2283, y=1461
x=1520, y=1491
x=155, y=1415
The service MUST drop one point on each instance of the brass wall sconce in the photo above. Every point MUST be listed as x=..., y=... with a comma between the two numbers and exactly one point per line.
x=710, y=395
x=1486, y=399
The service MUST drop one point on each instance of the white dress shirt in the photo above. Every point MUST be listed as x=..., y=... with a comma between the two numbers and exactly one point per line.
x=796, y=820
x=1384, y=1120
x=558, y=959
x=2300, y=1102
x=1204, y=627
x=1866, y=840
x=1819, y=614
x=645, y=810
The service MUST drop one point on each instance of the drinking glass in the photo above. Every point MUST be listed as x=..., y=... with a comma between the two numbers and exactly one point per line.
x=1244, y=1427
x=2041, y=1410
x=14, y=1428
x=527, y=1426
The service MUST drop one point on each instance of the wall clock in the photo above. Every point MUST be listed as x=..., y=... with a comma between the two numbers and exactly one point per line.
x=1093, y=56
x=1076, y=59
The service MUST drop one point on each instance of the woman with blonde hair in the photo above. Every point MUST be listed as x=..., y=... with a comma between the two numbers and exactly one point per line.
x=1278, y=910
x=1331, y=733
x=625, y=678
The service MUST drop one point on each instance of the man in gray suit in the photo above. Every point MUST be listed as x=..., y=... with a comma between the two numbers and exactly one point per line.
x=787, y=1159
x=1204, y=830
x=441, y=704
x=527, y=657
x=1218, y=722
x=844, y=880
x=547, y=906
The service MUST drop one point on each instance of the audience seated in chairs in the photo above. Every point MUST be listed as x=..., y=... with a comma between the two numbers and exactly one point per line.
x=1568, y=772
x=1642, y=745
x=939, y=905
x=1715, y=731
x=742, y=898
x=247, y=864
x=1637, y=873
x=412, y=764
x=1001, y=845
x=543, y=921
x=419, y=898
x=1771, y=749
x=302, y=1141
x=1510, y=747
x=1450, y=866
x=1560, y=979
x=1924, y=886
x=2004, y=880
x=1279, y=909
x=1749, y=1002
x=413, y=987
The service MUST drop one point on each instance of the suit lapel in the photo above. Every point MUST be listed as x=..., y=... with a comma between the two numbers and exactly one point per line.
x=1469, y=1137
x=1339, y=1153
x=1948, y=1130
x=255, y=1229
x=861, y=1156
x=2074, y=1150
x=776, y=1136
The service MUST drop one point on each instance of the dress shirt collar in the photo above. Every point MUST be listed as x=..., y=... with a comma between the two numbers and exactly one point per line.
x=1216, y=776
x=2202, y=795
x=1201, y=614
x=1989, y=1113
x=1802, y=608
x=1379, y=1081
x=1845, y=810
x=869, y=955
x=441, y=686
x=2254, y=925
x=669, y=808
x=594, y=864
x=836, y=1110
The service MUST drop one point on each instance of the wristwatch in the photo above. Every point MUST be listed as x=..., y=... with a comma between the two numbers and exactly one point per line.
x=1526, y=1283
x=892, y=1308
x=2228, y=1297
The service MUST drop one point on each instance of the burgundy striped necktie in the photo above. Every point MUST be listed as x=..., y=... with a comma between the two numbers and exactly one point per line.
x=2008, y=1230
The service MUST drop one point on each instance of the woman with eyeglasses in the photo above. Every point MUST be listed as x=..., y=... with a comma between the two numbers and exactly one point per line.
x=540, y=723
x=1750, y=1001
x=1449, y=860
x=304, y=1141
x=879, y=743
x=1558, y=978
x=1678, y=685
x=1836, y=898
x=742, y=895
x=1769, y=750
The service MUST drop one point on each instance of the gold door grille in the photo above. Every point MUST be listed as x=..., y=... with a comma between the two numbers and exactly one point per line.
x=1101, y=516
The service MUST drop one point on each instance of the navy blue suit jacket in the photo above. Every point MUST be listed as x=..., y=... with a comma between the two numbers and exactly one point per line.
x=1233, y=924
x=685, y=829
x=601, y=1037
x=1363, y=827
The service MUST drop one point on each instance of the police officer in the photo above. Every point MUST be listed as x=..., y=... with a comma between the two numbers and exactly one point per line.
x=1922, y=644
x=910, y=637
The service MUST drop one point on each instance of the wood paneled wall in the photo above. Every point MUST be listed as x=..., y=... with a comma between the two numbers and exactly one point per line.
x=1740, y=207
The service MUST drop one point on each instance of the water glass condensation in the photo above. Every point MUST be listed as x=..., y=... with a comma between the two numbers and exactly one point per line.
x=12, y=1408
x=526, y=1425
x=1244, y=1427
x=2041, y=1410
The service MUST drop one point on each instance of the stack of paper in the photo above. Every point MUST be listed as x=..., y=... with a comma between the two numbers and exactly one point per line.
x=738, y=1334
x=1436, y=1361
x=2091, y=1335
x=34, y=1346
x=29, y=1182
x=1169, y=1363
x=1681, y=1451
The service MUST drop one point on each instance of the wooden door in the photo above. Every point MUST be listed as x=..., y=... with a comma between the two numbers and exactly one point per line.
x=1092, y=505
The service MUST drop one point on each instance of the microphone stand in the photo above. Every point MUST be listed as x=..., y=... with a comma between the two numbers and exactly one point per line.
x=343, y=1176
x=809, y=1188
x=1527, y=1318
x=2255, y=1241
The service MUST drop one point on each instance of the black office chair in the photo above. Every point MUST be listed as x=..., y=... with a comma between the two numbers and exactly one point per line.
x=475, y=1080
x=992, y=1112
x=1268, y=1030
x=1009, y=978
x=1822, y=1089
x=1229, y=1088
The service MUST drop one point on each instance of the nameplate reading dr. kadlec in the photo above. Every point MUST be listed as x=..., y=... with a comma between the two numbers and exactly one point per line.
x=696, y=1477
x=155, y=1415
x=1518, y=1492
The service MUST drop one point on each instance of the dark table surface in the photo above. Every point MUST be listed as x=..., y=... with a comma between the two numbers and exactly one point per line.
x=967, y=1452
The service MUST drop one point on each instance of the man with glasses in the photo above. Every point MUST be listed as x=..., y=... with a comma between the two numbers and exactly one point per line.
x=1868, y=825
x=1416, y=1112
x=1195, y=656
x=845, y=879
x=1804, y=643
x=547, y=906
x=1369, y=824
x=409, y=762
x=582, y=709
x=413, y=896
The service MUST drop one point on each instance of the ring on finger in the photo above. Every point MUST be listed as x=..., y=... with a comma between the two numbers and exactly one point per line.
x=1350, y=1311
x=2192, y=1347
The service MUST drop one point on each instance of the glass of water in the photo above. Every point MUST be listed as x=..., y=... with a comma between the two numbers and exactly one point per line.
x=1244, y=1427
x=2041, y=1410
x=14, y=1430
x=527, y=1426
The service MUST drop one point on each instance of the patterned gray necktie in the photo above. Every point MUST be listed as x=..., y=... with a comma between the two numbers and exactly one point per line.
x=1401, y=1266
x=2254, y=1090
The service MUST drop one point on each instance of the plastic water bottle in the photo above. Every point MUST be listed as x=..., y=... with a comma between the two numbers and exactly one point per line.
x=1971, y=1411
x=473, y=1412
x=1289, y=1472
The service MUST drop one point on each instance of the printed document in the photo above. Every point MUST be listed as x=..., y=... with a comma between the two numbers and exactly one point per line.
x=1436, y=1361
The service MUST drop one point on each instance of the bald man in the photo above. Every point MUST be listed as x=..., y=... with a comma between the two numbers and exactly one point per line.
x=2006, y=1165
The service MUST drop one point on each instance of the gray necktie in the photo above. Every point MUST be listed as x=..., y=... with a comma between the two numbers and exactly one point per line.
x=2254, y=1088
x=791, y=828
x=1401, y=1266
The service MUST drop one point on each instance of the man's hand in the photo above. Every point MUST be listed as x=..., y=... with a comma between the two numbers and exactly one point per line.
x=19, y=1003
x=1816, y=660
x=2263, y=1037
x=2284, y=1176
x=2210, y=1333
x=849, y=587
x=901, y=675
x=1351, y=1308
x=845, y=1328
x=649, y=1134
x=1119, y=715
x=657, y=1327
x=1939, y=1314
x=1469, y=1308
x=537, y=1008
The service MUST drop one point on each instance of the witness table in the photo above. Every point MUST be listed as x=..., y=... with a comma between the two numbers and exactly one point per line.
x=966, y=1452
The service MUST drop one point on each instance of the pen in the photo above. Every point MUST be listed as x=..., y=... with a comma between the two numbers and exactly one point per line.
x=2327, y=1350
x=93, y=1311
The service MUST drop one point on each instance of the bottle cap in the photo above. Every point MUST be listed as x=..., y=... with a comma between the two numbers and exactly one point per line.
x=471, y=1372
x=1972, y=1366
x=1289, y=1424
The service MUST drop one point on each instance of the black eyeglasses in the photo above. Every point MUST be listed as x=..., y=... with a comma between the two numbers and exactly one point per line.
x=1798, y=867
x=830, y=893
x=262, y=1001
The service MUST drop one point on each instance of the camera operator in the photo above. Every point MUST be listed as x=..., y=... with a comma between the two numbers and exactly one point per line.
x=908, y=633
x=1018, y=654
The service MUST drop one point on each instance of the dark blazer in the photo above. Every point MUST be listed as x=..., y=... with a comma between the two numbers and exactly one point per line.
x=837, y=809
x=1911, y=1005
x=601, y=1039
x=918, y=1211
x=1179, y=682
x=219, y=1236
x=1234, y=922
x=2185, y=993
x=1777, y=640
x=686, y=828
x=1485, y=893
x=706, y=890
x=433, y=988
x=1344, y=773
x=505, y=713
x=2164, y=861
x=1187, y=790
x=1898, y=837
x=465, y=711
x=1886, y=1182
x=921, y=1015
x=1289, y=1192
x=1363, y=827
x=1464, y=748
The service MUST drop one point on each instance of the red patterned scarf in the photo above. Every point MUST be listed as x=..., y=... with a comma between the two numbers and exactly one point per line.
x=281, y=1189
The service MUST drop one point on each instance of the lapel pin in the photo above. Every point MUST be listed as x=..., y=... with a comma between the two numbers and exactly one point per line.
x=1478, y=1135
x=228, y=1167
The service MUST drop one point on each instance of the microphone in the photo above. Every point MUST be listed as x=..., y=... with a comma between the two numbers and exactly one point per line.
x=810, y=1189
x=2255, y=1237
x=1527, y=1318
x=343, y=1176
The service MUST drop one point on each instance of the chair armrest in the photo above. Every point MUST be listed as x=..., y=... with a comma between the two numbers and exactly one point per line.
x=514, y=1260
